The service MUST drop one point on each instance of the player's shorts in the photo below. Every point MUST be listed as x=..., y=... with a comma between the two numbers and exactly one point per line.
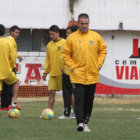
x=10, y=80
x=55, y=83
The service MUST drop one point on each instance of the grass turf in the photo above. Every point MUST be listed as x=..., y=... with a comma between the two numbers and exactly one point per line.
x=109, y=121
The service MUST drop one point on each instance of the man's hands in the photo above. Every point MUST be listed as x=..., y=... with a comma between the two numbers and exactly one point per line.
x=20, y=58
x=99, y=67
x=44, y=76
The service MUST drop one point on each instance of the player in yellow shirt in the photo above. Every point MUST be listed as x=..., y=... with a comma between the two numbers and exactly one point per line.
x=53, y=64
x=14, y=34
x=7, y=62
x=84, y=52
x=7, y=93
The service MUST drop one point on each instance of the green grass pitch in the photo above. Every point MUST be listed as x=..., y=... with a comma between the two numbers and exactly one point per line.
x=109, y=121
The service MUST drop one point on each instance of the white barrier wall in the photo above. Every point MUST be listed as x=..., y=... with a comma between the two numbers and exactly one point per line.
x=104, y=14
x=120, y=73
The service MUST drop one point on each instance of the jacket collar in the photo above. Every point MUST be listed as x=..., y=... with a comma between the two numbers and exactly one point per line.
x=83, y=33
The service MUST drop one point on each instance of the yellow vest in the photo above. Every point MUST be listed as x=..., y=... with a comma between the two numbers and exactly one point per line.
x=14, y=46
x=84, y=53
x=53, y=58
x=6, y=58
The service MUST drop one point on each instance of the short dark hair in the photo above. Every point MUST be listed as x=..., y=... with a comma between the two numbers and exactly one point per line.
x=2, y=30
x=83, y=15
x=72, y=28
x=54, y=28
x=13, y=28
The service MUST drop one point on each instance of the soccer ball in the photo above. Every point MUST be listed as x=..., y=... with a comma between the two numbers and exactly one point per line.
x=17, y=111
x=47, y=114
x=13, y=113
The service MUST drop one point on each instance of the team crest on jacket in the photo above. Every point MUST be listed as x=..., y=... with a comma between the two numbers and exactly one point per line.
x=58, y=48
x=91, y=43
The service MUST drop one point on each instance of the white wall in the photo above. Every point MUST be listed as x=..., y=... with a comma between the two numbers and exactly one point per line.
x=107, y=14
x=34, y=13
x=104, y=14
x=120, y=48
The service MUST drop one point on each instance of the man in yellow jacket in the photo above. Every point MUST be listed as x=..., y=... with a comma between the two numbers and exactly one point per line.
x=53, y=64
x=7, y=62
x=7, y=93
x=84, y=52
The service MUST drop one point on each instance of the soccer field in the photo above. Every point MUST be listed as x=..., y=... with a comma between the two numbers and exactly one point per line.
x=112, y=119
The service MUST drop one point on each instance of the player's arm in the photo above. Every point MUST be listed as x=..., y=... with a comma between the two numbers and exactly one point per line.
x=102, y=51
x=47, y=64
x=61, y=60
x=67, y=54
x=17, y=55
x=61, y=63
x=11, y=56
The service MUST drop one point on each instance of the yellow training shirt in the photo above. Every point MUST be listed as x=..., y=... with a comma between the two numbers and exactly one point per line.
x=84, y=53
x=6, y=58
x=14, y=45
x=53, y=58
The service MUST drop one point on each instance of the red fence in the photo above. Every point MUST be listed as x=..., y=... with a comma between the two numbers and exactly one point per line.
x=32, y=91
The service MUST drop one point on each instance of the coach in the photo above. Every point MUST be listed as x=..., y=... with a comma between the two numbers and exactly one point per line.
x=84, y=52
